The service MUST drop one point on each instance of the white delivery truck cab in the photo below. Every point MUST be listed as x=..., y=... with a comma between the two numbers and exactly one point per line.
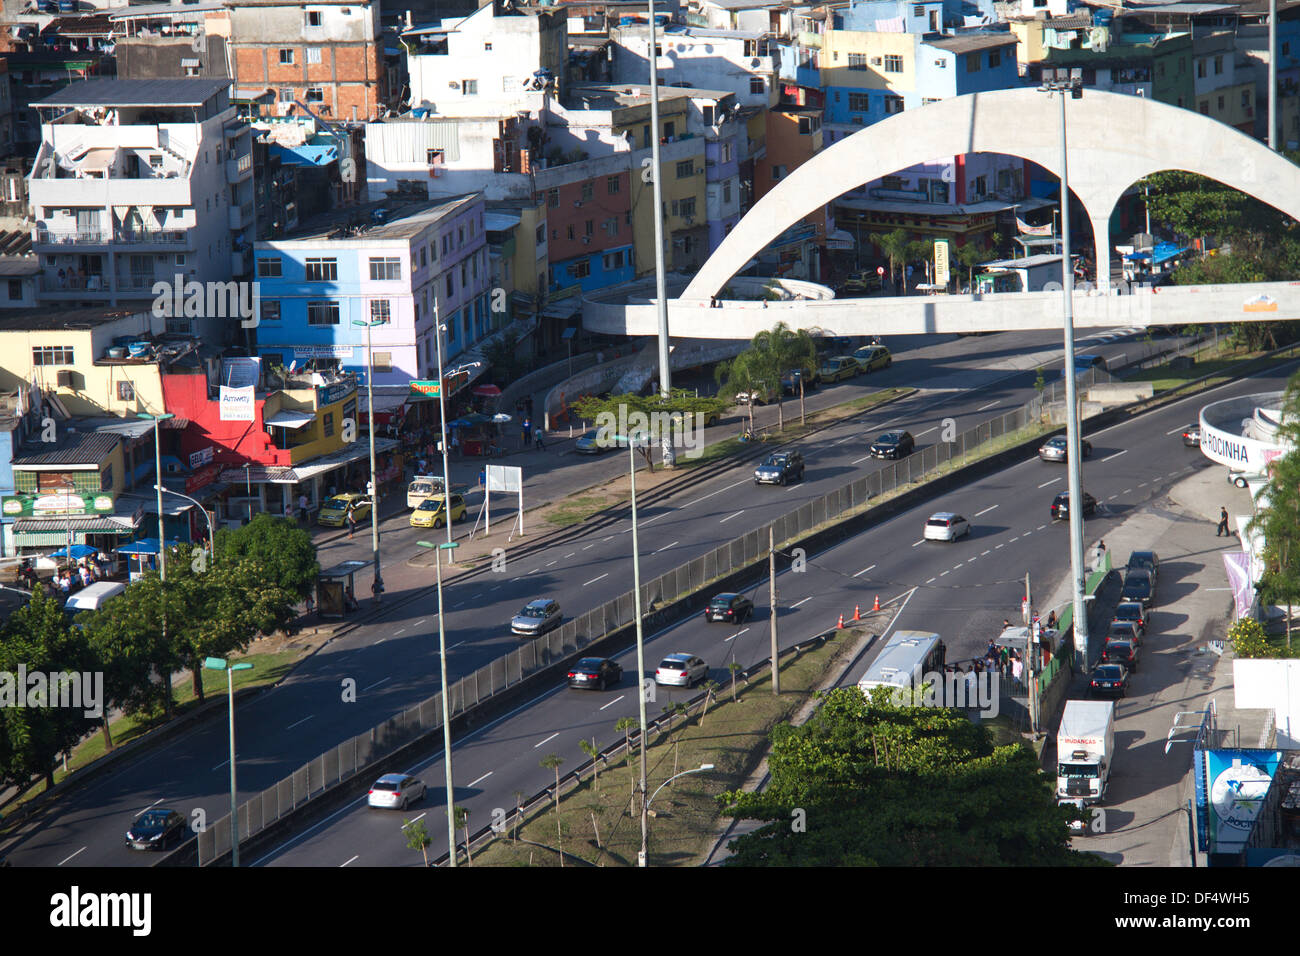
x=1085, y=748
x=94, y=597
x=422, y=487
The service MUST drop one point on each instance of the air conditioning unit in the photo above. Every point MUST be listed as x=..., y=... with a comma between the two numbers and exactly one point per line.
x=586, y=240
x=875, y=61
x=577, y=204
x=453, y=84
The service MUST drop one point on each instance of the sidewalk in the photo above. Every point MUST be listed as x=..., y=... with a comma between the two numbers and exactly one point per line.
x=1144, y=824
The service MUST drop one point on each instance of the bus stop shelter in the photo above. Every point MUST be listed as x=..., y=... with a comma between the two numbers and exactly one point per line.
x=336, y=590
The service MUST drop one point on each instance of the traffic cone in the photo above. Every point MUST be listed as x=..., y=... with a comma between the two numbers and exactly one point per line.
x=876, y=606
x=857, y=613
x=840, y=626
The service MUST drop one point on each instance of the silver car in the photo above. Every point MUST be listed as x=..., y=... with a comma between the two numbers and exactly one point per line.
x=395, y=791
x=946, y=526
x=537, y=617
x=592, y=442
x=681, y=670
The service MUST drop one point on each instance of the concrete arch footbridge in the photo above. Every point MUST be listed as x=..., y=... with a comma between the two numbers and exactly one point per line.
x=1113, y=141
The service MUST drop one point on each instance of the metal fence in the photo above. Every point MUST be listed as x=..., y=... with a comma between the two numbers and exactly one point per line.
x=353, y=756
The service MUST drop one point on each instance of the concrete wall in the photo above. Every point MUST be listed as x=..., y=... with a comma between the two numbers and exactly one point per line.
x=1119, y=393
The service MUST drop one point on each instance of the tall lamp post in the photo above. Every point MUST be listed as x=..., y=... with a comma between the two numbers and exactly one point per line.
x=374, y=482
x=157, y=452
x=221, y=664
x=212, y=539
x=446, y=709
x=438, y=328
x=661, y=294
x=68, y=489
x=1069, y=84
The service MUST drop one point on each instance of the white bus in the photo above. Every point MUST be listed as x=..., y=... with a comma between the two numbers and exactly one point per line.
x=904, y=661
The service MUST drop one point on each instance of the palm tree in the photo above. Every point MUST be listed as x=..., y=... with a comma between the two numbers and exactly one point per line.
x=894, y=246
x=771, y=354
x=710, y=688
x=417, y=838
x=462, y=823
x=552, y=762
x=590, y=749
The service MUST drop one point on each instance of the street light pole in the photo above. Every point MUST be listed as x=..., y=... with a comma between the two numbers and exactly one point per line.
x=374, y=480
x=212, y=538
x=661, y=294
x=642, y=859
x=1065, y=87
x=446, y=709
x=442, y=426
x=220, y=664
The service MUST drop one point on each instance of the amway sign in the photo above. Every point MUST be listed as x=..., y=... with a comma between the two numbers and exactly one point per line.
x=237, y=404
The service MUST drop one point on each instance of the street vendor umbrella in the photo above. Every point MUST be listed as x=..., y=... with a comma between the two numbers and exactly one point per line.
x=474, y=418
x=79, y=551
x=458, y=423
x=501, y=417
x=487, y=391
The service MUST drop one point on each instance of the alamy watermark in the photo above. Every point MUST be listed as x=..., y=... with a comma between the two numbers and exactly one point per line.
x=968, y=690
x=221, y=300
x=683, y=429
x=40, y=689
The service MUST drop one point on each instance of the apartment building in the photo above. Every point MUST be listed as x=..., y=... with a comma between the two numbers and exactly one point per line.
x=745, y=63
x=1221, y=93
x=137, y=182
x=392, y=264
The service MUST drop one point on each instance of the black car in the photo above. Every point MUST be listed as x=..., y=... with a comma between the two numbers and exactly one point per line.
x=1061, y=505
x=1111, y=679
x=597, y=672
x=1131, y=612
x=1192, y=437
x=1124, y=631
x=893, y=445
x=729, y=607
x=156, y=829
x=792, y=379
x=780, y=469
x=1139, y=586
x=1144, y=561
x=1121, y=652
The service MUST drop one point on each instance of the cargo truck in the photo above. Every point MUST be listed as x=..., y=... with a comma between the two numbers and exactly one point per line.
x=1085, y=748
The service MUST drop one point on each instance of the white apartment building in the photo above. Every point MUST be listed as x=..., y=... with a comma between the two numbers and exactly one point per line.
x=746, y=63
x=136, y=182
x=490, y=63
x=433, y=157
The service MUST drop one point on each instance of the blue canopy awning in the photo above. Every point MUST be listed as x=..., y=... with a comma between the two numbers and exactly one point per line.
x=79, y=551
x=145, y=546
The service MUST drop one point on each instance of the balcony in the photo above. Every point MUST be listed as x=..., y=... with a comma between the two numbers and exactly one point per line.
x=241, y=217
x=72, y=237
x=165, y=237
x=237, y=170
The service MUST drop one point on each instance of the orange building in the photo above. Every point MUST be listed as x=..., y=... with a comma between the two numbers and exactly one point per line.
x=794, y=136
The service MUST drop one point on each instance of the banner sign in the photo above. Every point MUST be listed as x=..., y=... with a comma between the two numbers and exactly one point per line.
x=56, y=504
x=201, y=478
x=1237, y=564
x=237, y=404
x=330, y=394
x=200, y=458
x=1027, y=230
x=323, y=351
x=941, y=263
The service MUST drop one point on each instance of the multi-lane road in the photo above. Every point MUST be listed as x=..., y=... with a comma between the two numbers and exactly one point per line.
x=392, y=662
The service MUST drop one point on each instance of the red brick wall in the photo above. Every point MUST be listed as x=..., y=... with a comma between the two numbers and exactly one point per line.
x=352, y=64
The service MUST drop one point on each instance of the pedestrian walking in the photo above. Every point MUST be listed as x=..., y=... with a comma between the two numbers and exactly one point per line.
x=302, y=508
x=352, y=521
x=537, y=440
x=1223, y=523
x=1017, y=670
x=310, y=605
x=527, y=429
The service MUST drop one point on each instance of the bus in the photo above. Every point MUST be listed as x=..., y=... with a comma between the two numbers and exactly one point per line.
x=904, y=661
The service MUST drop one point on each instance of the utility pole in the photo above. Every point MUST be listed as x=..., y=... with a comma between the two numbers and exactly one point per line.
x=1031, y=646
x=771, y=575
x=661, y=294
x=1272, y=75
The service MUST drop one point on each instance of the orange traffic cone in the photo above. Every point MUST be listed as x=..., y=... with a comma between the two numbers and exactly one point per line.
x=840, y=625
x=857, y=613
x=876, y=606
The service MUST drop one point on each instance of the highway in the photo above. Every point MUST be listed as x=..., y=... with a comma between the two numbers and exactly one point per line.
x=962, y=590
x=393, y=662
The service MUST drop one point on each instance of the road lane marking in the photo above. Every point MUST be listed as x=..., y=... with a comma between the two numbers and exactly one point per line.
x=61, y=862
x=1126, y=491
x=915, y=543
x=943, y=573
x=594, y=580
x=729, y=517
x=614, y=701
x=999, y=546
x=375, y=684
x=1178, y=429
x=403, y=630
x=656, y=517
x=454, y=607
x=497, y=587
x=1012, y=541
x=222, y=764
x=556, y=561
x=419, y=622
x=571, y=554
x=927, y=431
x=1116, y=455
x=931, y=581
x=1052, y=482
x=985, y=511
x=804, y=601
x=982, y=553
x=588, y=547
x=346, y=862
x=860, y=460
x=859, y=574
x=986, y=407
x=550, y=738
x=1040, y=528
x=956, y=566
x=1142, y=484
x=303, y=721
x=606, y=538
x=1112, y=497
x=667, y=546
x=472, y=782
x=734, y=636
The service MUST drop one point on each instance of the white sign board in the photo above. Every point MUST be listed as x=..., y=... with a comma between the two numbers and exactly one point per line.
x=505, y=478
x=237, y=404
x=323, y=351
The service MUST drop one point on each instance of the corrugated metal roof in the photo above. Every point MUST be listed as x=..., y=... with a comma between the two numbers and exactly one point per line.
x=75, y=448
x=410, y=141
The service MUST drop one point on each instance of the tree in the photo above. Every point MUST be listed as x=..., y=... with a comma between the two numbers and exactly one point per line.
x=591, y=750
x=681, y=409
x=627, y=725
x=894, y=246
x=462, y=823
x=279, y=547
x=552, y=762
x=503, y=355
x=126, y=638
x=417, y=838
x=868, y=782
x=771, y=354
x=1248, y=638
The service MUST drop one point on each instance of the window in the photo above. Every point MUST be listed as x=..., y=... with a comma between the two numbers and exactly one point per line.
x=286, y=96
x=487, y=47
x=424, y=258
x=52, y=355
x=1204, y=107
x=270, y=309
x=451, y=285
x=588, y=228
x=687, y=206
x=1245, y=99
x=451, y=328
x=995, y=58
x=726, y=152
x=570, y=231
x=893, y=104
x=469, y=87
x=327, y=424
x=1201, y=70
x=269, y=268
x=125, y=392
x=286, y=57
x=433, y=251
x=15, y=288
x=779, y=173
x=540, y=235
x=726, y=194
x=313, y=18
x=325, y=312
x=612, y=260
x=553, y=198
x=893, y=63
x=106, y=478
x=858, y=61
x=385, y=269
x=809, y=124
x=322, y=270
x=315, y=94
x=1218, y=65
x=973, y=63
x=1220, y=104
x=612, y=185
x=686, y=169
x=859, y=103
x=757, y=86
x=313, y=54
x=380, y=311
x=611, y=225
x=382, y=361
x=587, y=192
x=580, y=270
x=708, y=113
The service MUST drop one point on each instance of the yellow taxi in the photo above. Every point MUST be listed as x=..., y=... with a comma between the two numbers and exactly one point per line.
x=334, y=511
x=432, y=513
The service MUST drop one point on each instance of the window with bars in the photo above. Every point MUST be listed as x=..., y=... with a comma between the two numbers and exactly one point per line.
x=612, y=185
x=380, y=310
x=53, y=355
x=385, y=268
x=893, y=63
x=858, y=61
x=859, y=103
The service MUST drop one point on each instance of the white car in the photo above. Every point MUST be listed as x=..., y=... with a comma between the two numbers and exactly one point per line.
x=946, y=526
x=681, y=670
x=1241, y=478
x=395, y=791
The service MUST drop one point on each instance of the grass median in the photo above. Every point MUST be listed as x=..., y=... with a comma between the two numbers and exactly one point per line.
x=598, y=824
x=1223, y=364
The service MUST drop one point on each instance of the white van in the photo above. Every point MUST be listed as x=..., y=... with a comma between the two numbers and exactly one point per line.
x=94, y=597
x=424, y=486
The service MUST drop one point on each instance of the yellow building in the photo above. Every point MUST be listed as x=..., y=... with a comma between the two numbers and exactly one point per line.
x=853, y=59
